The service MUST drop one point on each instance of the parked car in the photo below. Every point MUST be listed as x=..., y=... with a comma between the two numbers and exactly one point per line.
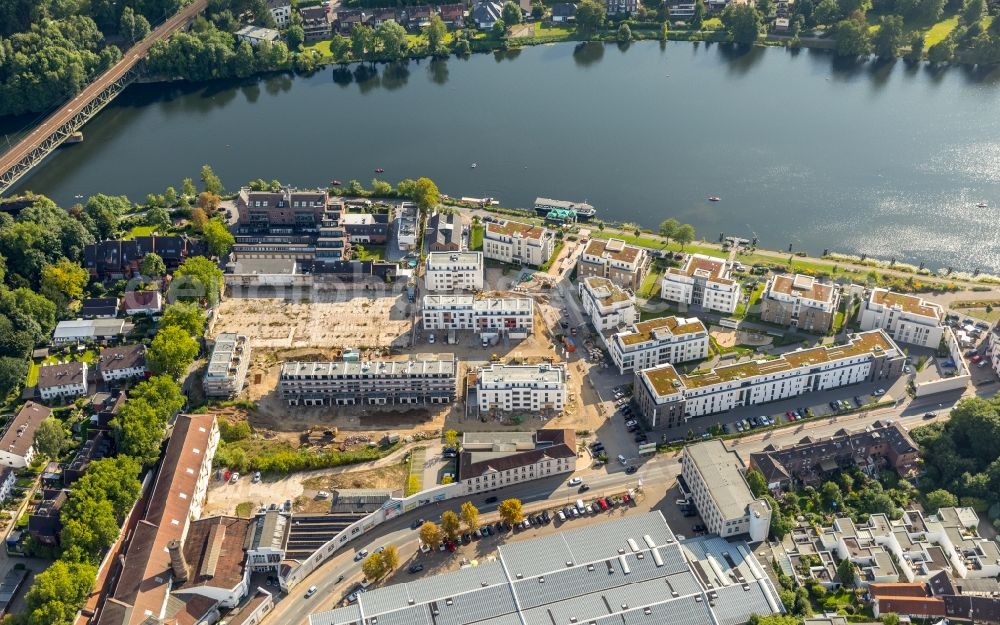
x=583, y=488
x=361, y=555
x=256, y=477
x=622, y=459
x=929, y=415
x=416, y=524
x=575, y=481
x=492, y=499
x=879, y=392
x=415, y=568
x=561, y=516
x=235, y=477
x=698, y=528
x=310, y=592
x=430, y=339
x=632, y=469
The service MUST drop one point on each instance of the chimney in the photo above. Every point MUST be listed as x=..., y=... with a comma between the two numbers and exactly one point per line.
x=177, y=563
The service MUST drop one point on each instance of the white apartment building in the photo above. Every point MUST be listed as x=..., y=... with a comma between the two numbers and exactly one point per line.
x=867, y=357
x=428, y=379
x=454, y=271
x=488, y=315
x=800, y=301
x=122, y=363
x=715, y=476
x=64, y=380
x=659, y=341
x=517, y=243
x=608, y=305
x=17, y=442
x=492, y=460
x=704, y=281
x=531, y=388
x=906, y=318
x=614, y=259
x=281, y=10
x=228, y=365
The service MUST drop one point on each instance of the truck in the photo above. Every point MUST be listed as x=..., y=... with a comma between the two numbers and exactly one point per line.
x=568, y=344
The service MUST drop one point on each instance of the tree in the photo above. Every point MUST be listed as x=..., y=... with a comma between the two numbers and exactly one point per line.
x=684, y=234
x=197, y=279
x=374, y=567
x=470, y=516
x=845, y=571
x=58, y=592
x=158, y=218
x=198, y=217
x=115, y=479
x=133, y=27
x=916, y=47
x=757, y=483
x=244, y=63
x=510, y=511
x=624, y=34
x=63, y=281
x=170, y=197
x=668, y=227
x=152, y=266
x=890, y=618
x=295, y=36
x=510, y=14
x=430, y=534
x=852, y=37
x=450, y=525
x=162, y=393
x=849, y=7
x=139, y=430
x=774, y=619
x=451, y=438
x=426, y=194
x=393, y=38
x=210, y=182
x=889, y=37
x=171, y=352
x=826, y=12
x=742, y=22
x=184, y=315
x=942, y=51
x=362, y=41
x=699, y=14
x=499, y=30
x=436, y=31
x=105, y=213
x=217, y=237
x=973, y=11
x=832, y=498
x=940, y=498
x=50, y=438
x=766, y=7
x=188, y=189
x=390, y=557
x=13, y=372
x=84, y=537
x=590, y=15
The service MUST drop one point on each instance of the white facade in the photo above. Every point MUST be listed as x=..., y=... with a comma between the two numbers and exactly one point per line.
x=406, y=226
x=122, y=363
x=281, y=11
x=659, y=341
x=7, y=480
x=454, y=271
x=607, y=305
x=228, y=365
x=83, y=330
x=486, y=314
x=521, y=387
x=715, y=476
x=72, y=385
x=492, y=479
x=907, y=318
x=255, y=35
x=492, y=460
x=513, y=242
x=704, y=281
x=115, y=375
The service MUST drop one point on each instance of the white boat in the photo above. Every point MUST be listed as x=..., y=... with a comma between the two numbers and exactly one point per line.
x=982, y=205
x=473, y=166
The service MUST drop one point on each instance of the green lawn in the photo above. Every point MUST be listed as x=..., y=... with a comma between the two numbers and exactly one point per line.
x=89, y=356
x=476, y=237
x=651, y=283
x=656, y=243
x=712, y=23
x=140, y=231
x=369, y=252
x=939, y=31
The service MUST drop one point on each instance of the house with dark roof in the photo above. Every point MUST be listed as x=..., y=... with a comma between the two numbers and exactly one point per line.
x=122, y=363
x=452, y=14
x=18, y=439
x=367, y=227
x=346, y=19
x=62, y=381
x=563, y=12
x=103, y=407
x=316, y=22
x=99, y=308
x=118, y=259
x=486, y=13
x=493, y=460
x=444, y=233
x=99, y=444
x=881, y=445
x=44, y=522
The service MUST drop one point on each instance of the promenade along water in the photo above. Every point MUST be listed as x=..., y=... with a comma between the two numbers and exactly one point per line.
x=887, y=159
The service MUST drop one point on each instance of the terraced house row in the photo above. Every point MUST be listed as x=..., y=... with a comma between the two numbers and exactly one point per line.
x=667, y=397
x=425, y=380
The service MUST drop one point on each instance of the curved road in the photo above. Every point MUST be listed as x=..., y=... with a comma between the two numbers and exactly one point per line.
x=657, y=475
x=66, y=113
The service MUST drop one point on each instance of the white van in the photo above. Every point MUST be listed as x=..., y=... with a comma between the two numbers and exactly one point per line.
x=579, y=506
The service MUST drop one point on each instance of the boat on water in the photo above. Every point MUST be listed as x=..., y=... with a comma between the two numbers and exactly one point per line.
x=473, y=166
x=379, y=170
x=74, y=137
x=335, y=183
x=714, y=198
x=982, y=205
x=583, y=210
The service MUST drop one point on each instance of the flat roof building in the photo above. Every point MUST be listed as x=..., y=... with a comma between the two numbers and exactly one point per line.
x=716, y=477
x=227, y=366
x=630, y=571
x=866, y=357
x=906, y=318
x=512, y=388
x=490, y=315
x=87, y=330
x=406, y=226
x=454, y=271
x=623, y=264
x=800, y=302
x=421, y=380
x=657, y=342
x=518, y=243
x=703, y=281
x=607, y=305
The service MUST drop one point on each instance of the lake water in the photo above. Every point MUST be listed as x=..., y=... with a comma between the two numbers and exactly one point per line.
x=885, y=159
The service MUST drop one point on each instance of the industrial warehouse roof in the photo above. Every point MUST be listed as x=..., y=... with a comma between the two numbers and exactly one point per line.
x=631, y=571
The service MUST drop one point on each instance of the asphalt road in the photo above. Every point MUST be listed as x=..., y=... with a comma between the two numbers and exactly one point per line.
x=657, y=474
